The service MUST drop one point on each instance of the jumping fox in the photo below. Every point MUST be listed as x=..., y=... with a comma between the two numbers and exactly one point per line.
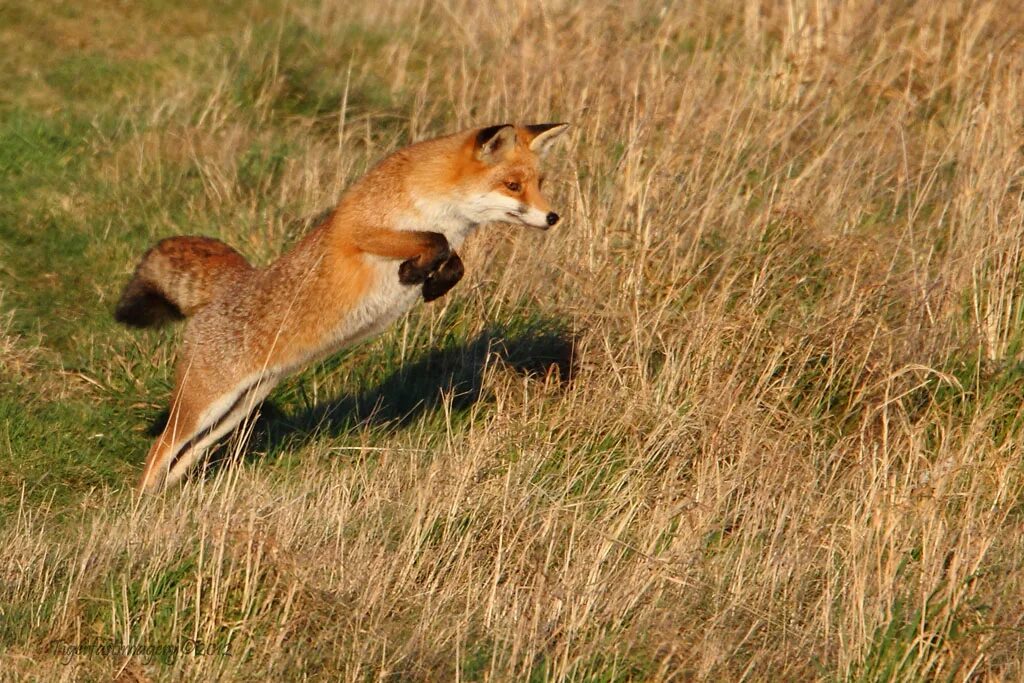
x=390, y=241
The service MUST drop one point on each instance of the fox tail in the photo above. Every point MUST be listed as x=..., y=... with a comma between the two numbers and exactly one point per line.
x=176, y=278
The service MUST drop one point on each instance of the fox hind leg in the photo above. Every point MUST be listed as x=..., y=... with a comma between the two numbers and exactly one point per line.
x=195, y=447
x=193, y=428
x=182, y=422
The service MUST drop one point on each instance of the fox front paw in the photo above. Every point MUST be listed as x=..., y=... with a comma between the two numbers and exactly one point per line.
x=440, y=281
x=416, y=270
x=411, y=273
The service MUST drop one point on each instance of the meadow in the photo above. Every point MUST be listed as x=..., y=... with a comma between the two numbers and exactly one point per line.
x=752, y=411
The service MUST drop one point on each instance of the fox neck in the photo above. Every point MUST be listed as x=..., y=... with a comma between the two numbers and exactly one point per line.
x=438, y=216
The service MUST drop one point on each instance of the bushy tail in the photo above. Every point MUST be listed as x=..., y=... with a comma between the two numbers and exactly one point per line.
x=176, y=278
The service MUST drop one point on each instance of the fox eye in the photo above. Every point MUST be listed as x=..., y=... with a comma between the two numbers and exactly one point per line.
x=513, y=186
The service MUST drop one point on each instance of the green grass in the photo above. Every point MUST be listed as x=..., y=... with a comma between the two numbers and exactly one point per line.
x=69, y=231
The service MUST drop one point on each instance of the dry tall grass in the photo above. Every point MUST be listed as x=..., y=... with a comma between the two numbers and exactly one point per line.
x=791, y=270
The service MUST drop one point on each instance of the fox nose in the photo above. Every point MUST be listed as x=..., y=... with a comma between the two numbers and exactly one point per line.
x=552, y=218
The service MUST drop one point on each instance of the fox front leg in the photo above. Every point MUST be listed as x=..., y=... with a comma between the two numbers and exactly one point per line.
x=435, y=252
x=440, y=281
x=428, y=259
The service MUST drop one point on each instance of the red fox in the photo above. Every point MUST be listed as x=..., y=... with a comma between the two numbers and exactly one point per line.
x=389, y=242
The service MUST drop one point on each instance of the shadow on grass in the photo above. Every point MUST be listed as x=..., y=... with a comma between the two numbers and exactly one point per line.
x=421, y=386
x=536, y=349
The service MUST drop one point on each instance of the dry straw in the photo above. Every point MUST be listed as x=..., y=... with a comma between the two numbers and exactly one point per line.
x=790, y=278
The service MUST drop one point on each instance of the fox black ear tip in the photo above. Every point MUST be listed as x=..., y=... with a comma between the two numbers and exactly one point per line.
x=489, y=132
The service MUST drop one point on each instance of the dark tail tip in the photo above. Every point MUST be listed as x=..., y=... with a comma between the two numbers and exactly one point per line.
x=142, y=305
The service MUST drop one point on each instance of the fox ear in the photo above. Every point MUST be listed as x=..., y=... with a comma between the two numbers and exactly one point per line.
x=494, y=142
x=541, y=135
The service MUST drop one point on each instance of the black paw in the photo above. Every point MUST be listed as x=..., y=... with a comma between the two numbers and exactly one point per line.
x=416, y=270
x=441, y=280
x=411, y=273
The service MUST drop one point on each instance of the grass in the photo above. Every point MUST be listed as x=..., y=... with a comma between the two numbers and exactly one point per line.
x=752, y=412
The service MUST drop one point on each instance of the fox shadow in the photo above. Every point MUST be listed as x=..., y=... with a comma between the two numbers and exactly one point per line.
x=451, y=376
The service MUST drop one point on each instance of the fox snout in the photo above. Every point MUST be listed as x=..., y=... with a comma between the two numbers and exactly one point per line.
x=534, y=217
x=550, y=220
x=541, y=217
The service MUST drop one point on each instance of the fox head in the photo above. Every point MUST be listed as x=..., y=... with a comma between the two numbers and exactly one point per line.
x=504, y=182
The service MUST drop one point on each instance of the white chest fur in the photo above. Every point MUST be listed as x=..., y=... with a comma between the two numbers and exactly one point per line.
x=387, y=299
x=384, y=302
x=438, y=216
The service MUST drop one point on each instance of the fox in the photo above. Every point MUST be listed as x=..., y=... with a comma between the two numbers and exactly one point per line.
x=390, y=241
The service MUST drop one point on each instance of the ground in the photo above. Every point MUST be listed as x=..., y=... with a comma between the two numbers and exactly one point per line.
x=753, y=410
